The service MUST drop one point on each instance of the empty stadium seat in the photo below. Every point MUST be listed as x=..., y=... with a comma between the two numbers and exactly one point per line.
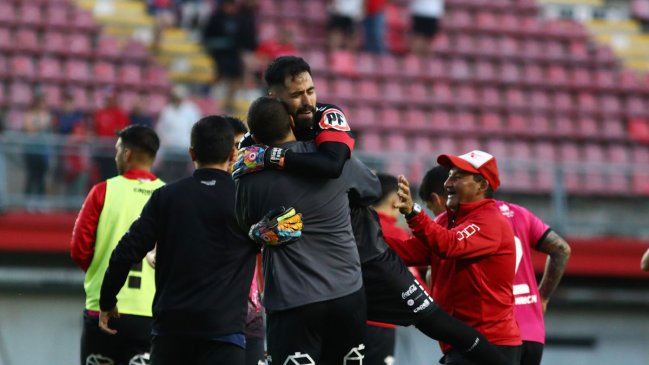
x=26, y=40
x=343, y=88
x=490, y=98
x=369, y=141
x=53, y=95
x=56, y=17
x=22, y=67
x=77, y=72
x=415, y=120
x=130, y=75
x=49, y=70
x=390, y=118
x=440, y=120
x=20, y=94
x=78, y=44
x=362, y=117
x=55, y=43
x=157, y=78
x=104, y=73
x=108, y=48
x=8, y=16
x=30, y=16
x=393, y=91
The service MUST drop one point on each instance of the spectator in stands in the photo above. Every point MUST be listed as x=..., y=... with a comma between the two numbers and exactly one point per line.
x=139, y=115
x=343, y=15
x=39, y=126
x=164, y=14
x=174, y=128
x=644, y=263
x=425, y=18
x=272, y=48
x=472, y=251
x=68, y=117
x=531, y=299
x=107, y=121
x=249, y=42
x=223, y=38
x=109, y=209
x=193, y=15
x=374, y=26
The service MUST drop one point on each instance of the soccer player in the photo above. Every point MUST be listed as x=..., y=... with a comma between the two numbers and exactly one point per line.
x=394, y=295
x=313, y=294
x=471, y=251
x=204, y=263
x=530, y=233
x=109, y=209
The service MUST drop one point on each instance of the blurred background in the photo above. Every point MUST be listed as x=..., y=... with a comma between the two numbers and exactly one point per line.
x=557, y=90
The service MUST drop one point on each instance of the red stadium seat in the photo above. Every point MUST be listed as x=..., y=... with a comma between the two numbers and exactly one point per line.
x=533, y=75
x=544, y=152
x=108, y=48
x=157, y=78
x=362, y=117
x=610, y=104
x=81, y=98
x=78, y=44
x=540, y=125
x=53, y=95
x=565, y=127
x=563, y=102
x=485, y=71
x=440, y=120
x=20, y=94
x=104, y=73
x=436, y=69
x=460, y=69
x=516, y=124
x=568, y=152
x=423, y=145
x=342, y=62
x=130, y=75
x=415, y=120
x=639, y=129
x=387, y=65
x=417, y=92
x=343, y=88
x=618, y=154
x=613, y=128
x=370, y=141
x=55, y=43
x=539, y=100
x=397, y=143
x=49, y=70
x=365, y=65
x=447, y=145
x=467, y=96
x=30, y=16
x=640, y=154
x=390, y=119
x=467, y=144
x=6, y=41
x=15, y=119
x=412, y=66
x=136, y=52
x=581, y=78
x=393, y=92
x=490, y=98
x=22, y=67
x=515, y=98
x=26, y=40
x=56, y=17
x=509, y=46
x=490, y=122
x=442, y=93
x=8, y=16
x=497, y=148
x=635, y=105
x=586, y=101
x=464, y=121
x=588, y=128
x=77, y=72
x=156, y=102
x=367, y=91
x=83, y=20
x=510, y=73
x=605, y=80
x=557, y=76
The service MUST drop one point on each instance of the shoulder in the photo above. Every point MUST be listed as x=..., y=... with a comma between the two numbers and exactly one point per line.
x=331, y=117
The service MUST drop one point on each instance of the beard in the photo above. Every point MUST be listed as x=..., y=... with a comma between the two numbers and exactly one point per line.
x=304, y=124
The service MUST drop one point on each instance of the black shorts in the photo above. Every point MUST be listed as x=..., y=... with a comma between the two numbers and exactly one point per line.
x=174, y=350
x=341, y=23
x=531, y=353
x=425, y=26
x=323, y=333
x=379, y=345
x=393, y=294
x=131, y=343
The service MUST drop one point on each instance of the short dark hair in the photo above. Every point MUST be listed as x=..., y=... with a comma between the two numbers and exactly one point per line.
x=282, y=67
x=433, y=182
x=269, y=121
x=238, y=126
x=140, y=139
x=389, y=184
x=212, y=139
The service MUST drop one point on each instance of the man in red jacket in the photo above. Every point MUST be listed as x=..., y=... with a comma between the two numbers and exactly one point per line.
x=471, y=251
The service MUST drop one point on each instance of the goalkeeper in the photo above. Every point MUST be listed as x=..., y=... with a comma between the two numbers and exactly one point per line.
x=313, y=296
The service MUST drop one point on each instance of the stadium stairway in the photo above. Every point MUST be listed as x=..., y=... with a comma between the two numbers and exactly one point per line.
x=183, y=56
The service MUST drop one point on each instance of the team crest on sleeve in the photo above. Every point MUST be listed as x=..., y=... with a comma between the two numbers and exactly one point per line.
x=334, y=119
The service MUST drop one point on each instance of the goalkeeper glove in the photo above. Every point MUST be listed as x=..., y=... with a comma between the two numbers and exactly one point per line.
x=278, y=227
x=257, y=157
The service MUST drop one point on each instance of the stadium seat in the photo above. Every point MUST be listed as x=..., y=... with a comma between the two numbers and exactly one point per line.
x=108, y=48
x=581, y=78
x=466, y=96
x=565, y=127
x=423, y=145
x=5, y=70
x=436, y=69
x=26, y=41
x=557, y=76
x=640, y=154
x=417, y=92
x=509, y=46
x=20, y=94
x=77, y=72
x=515, y=99
x=30, y=16
x=49, y=70
x=157, y=78
x=130, y=75
x=442, y=93
x=104, y=73
x=362, y=118
x=156, y=102
x=540, y=125
x=539, y=100
x=490, y=98
x=412, y=66
x=53, y=95
x=370, y=141
x=322, y=87
x=84, y=21
x=3, y=96
x=15, y=119
x=343, y=88
x=447, y=145
x=533, y=75
x=459, y=69
x=367, y=91
x=489, y=122
x=55, y=43
x=389, y=119
x=388, y=66
x=8, y=16
x=467, y=144
x=544, y=152
x=79, y=45
x=639, y=129
x=563, y=102
x=586, y=102
x=635, y=105
x=485, y=71
x=415, y=120
x=498, y=148
x=613, y=128
x=464, y=121
x=136, y=52
x=342, y=62
x=127, y=99
x=588, y=128
x=56, y=17
x=392, y=91
x=440, y=121
x=510, y=73
x=605, y=80
x=610, y=104
x=397, y=143
x=22, y=67
x=365, y=64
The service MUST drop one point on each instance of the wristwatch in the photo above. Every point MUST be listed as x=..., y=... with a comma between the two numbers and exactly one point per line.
x=416, y=209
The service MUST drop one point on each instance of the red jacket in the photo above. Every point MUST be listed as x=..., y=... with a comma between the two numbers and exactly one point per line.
x=473, y=266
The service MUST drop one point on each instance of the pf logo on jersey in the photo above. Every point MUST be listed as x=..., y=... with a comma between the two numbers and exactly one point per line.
x=334, y=119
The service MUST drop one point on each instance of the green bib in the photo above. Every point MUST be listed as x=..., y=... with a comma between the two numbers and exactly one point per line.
x=123, y=204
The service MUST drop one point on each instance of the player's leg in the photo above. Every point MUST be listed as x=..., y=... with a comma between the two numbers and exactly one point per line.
x=171, y=350
x=296, y=333
x=531, y=353
x=219, y=353
x=512, y=354
x=254, y=350
x=131, y=344
x=379, y=345
x=344, y=329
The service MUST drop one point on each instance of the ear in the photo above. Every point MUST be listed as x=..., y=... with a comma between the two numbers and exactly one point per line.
x=192, y=153
x=233, y=155
x=484, y=185
x=394, y=200
x=291, y=122
x=128, y=154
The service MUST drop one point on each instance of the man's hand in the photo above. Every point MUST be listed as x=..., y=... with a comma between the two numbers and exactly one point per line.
x=256, y=158
x=251, y=159
x=103, y=320
x=278, y=227
x=405, y=203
